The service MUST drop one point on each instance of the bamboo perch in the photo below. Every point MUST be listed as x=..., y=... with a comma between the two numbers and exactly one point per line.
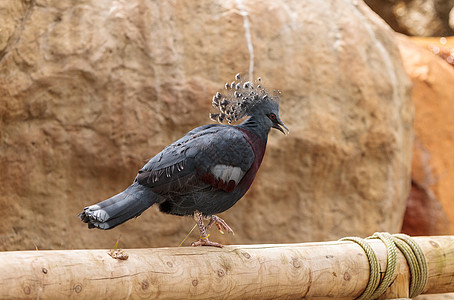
x=333, y=269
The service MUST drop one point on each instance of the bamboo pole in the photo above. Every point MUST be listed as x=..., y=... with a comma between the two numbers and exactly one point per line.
x=333, y=269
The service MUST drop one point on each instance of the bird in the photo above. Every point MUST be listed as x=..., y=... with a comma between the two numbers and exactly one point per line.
x=205, y=172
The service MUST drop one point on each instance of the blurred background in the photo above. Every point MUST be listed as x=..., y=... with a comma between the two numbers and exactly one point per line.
x=91, y=89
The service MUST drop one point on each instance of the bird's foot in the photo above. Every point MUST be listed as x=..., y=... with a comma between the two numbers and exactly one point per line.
x=220, y=224
x=205, y=242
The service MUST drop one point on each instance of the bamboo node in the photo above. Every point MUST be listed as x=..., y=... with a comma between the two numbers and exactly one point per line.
x=78, y=288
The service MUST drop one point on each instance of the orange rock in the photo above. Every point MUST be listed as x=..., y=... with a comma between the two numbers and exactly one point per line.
x=430, y=208
x=442, y=46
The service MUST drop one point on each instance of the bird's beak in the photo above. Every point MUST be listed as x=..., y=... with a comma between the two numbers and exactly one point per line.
x=279, y=125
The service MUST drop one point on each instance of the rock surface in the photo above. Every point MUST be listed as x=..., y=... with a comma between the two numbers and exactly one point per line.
x=430, y=208
x=416, y=17
x=90, y=89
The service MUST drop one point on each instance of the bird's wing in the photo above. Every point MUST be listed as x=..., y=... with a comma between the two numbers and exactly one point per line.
x=211, y=155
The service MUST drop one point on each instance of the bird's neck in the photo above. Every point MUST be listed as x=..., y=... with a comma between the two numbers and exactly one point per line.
x=254, y=125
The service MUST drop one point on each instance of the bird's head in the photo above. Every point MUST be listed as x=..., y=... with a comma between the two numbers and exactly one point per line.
x=268, y=113
x=241, y=99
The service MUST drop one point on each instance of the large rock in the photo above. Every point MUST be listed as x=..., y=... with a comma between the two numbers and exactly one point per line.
x=91, y=89
x=431, y=203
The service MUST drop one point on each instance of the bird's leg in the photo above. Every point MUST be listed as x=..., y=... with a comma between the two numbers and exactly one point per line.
x=198, y=217
x=220, y=224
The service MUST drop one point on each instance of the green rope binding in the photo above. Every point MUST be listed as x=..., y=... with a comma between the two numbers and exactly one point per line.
x=390, y=263
x=413, y=254
x=417, y=263
x=374, y=277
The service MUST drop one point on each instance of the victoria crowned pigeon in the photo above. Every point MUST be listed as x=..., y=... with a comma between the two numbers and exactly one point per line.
x=206, y=171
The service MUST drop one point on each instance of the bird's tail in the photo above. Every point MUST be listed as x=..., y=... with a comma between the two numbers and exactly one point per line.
x=118, y=209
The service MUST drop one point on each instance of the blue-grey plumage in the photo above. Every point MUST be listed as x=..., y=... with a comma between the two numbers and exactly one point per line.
x=206, y=171
x=194, y=172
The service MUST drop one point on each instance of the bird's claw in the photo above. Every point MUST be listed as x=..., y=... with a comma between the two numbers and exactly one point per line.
x=220, y=224
x=206, y=242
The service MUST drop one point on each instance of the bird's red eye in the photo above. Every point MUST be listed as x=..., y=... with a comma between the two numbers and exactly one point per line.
x=273, y=117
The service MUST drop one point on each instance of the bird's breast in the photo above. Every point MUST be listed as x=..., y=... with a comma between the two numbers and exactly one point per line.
x=258, y=147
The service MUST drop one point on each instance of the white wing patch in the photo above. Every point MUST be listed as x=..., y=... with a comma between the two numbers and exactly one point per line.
x=227, y=173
